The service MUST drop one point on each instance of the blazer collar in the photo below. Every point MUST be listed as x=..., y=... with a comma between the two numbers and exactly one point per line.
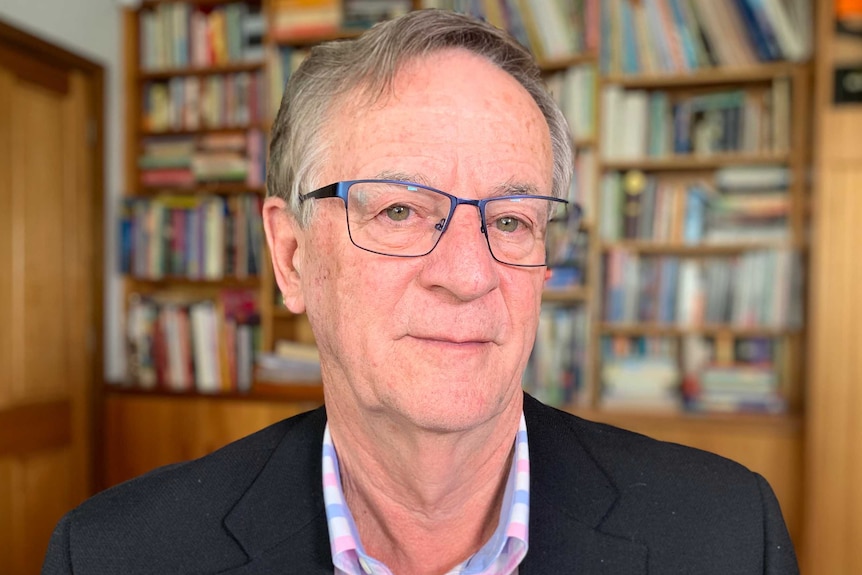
x=571, y=497
x=280, y=521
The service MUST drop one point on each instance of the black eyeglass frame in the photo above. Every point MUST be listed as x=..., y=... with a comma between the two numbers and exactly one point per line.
x=340, y=190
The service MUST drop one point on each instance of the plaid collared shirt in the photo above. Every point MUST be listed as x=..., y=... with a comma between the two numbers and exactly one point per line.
x=501, y=555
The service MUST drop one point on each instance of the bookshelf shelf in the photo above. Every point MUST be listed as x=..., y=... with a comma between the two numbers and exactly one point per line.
x=702, y=162
x=222, y=189
x=692, y=421
x=280, y=312
x=154, y=3
x=260, y=391
x=204, y=130
x=145, y=284
x=566, y=295
x=707, y=77
x=660, y=330
x=559, y=64
x=702, y=250
x=308, y=40
x=233, y=68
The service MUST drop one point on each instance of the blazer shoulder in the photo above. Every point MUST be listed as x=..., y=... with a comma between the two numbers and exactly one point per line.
x=622, y=452
x=177, y=511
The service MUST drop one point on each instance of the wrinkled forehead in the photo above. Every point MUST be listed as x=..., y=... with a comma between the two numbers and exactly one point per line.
x=449, y=106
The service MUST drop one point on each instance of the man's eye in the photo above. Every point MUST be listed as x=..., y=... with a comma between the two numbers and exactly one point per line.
x=397, y=213
x=507, y=224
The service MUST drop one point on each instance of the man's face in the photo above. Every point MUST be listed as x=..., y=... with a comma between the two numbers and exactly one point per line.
x=438, y=341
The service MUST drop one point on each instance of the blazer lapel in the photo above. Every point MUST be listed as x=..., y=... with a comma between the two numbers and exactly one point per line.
x=280, y=521
x=570, y=498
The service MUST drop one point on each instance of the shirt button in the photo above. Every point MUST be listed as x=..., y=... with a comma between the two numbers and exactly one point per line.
x=365, y=566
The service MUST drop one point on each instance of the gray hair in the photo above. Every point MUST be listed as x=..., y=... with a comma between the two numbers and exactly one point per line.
x=366, y=67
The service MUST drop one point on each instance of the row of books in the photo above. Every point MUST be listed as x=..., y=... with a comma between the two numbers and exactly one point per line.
x=282, y=61
x=197, y=237
x=642, y=123
x=556, y=370
x=195, y=102
x=299, y=19
x=187, y=161
x=289, y=363
x=694, y=211
x=183, y=343
x=574, y=89
x=181, y=35
x=551, y=29
x=757, y=289
x=650, y=373
x=672, y=36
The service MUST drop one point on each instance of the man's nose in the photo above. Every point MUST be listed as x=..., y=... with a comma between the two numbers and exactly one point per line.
x=461, y=262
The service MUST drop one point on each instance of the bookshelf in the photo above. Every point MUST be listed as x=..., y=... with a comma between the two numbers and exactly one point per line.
x=575, y=311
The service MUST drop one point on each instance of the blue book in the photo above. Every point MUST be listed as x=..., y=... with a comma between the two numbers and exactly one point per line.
x=685, y=34
x=755, y=10
x=682, y=113
x=631, y=62
x=754, y=33
x=695, y=215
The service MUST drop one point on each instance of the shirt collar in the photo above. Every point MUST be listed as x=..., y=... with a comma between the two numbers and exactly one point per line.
x=500, y=554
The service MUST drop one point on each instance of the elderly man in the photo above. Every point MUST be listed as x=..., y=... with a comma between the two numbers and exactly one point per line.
x=414, y=175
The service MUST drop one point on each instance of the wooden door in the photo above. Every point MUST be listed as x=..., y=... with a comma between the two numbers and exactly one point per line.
x=49, y=292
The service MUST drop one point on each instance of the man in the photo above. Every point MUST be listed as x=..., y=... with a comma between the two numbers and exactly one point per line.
x=413, y=174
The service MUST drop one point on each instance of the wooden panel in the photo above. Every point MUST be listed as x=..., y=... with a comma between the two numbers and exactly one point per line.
x=833, y=472
x=142, y=433
x=37, y=427
x=40, y=299
x=7, y=255
x=35, y=70
x=834, y=505
x=32, y=500
x=80, y=284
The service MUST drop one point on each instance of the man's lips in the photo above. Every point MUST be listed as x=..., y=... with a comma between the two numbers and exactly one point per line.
x=452, y=340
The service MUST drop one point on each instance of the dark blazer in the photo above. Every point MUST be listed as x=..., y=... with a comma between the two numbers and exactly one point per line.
x=602, y=500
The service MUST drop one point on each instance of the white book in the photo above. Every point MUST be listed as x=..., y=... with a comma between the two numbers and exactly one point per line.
x=204, y=331
x=789, y=38
x=634, y=124
x=613, y=126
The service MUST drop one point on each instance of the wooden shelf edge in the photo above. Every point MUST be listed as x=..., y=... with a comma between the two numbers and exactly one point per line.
x=656, y=247
x=564, y=295
x=786, y=422
x=222, y=189
x=560, y=63
x=226, y=282
x=269, y=392
x=260, y=391
x=694, y=161
x=637, y=329
x=212, y=70
x=706, y=76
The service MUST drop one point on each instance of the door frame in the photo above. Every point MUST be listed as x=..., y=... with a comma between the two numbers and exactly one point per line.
x=19, y=50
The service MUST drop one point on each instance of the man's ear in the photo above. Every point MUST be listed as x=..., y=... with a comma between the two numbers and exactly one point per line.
x=285, y=239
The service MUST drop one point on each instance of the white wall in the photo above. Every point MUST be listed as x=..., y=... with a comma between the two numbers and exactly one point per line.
x=92, y=29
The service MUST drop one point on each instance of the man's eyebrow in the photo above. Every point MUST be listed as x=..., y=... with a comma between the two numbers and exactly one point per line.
x=508, y=188
x=403, y=177
x=516, y=189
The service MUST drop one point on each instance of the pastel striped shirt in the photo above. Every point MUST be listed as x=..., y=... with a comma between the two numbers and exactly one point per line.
x=501, y=555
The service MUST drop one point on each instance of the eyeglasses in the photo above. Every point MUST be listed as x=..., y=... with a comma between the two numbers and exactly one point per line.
x=403, y=219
